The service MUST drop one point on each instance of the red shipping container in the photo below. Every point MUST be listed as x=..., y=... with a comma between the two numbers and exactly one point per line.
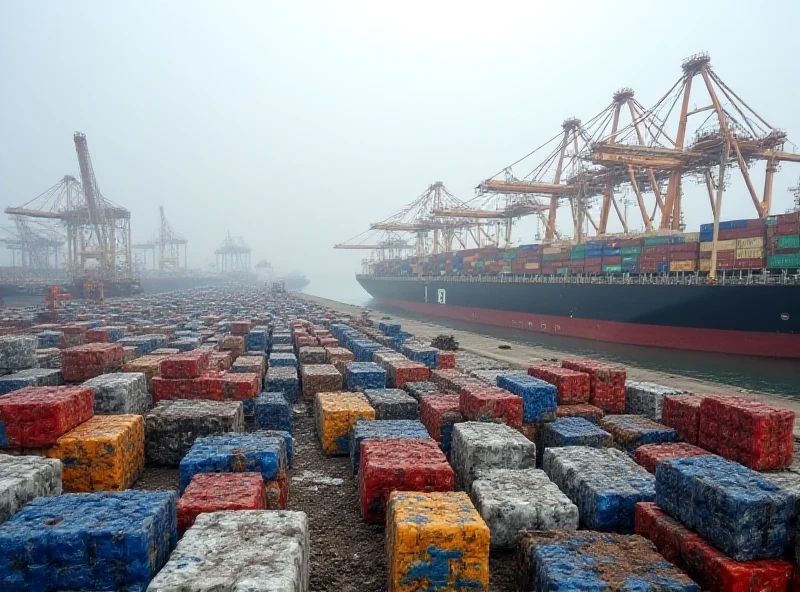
x=240, y=328
x=747, y=431
x=83, y=362
x=612, y=260
x=683, y=256
x=606, y=383
x=790, y=218
x=399, y=465
x=490, y=403
x=649, y=455
x=447, y=360
x=725, y=263
x=438, y=411
x=216, y=492
x=793, y=228
x=37, y=416
x=741, y=233
x=573, y=386
x=682, y=413
x=584, y=410
x=705, y=564
x=190, y=364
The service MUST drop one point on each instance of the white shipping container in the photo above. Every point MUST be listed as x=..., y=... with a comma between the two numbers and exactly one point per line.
x=750, y=253
x=551, y=250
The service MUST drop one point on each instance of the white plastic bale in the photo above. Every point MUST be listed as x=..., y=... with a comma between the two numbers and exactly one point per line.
x=479, y=446
x=242, y=550
x=17, y=352
x=119, y=393
x=647, y=398
x=23, y=478
x=510, y=500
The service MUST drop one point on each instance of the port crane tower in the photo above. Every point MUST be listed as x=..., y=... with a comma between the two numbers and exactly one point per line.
x=233, y=255
x=166, y=244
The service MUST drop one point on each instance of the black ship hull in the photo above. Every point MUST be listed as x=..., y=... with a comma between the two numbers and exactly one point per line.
x=760, y=320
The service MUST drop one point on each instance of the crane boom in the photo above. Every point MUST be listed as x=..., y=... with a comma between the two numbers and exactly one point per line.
x=90, y=192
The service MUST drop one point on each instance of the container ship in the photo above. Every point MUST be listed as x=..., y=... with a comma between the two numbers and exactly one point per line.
x=651, y=291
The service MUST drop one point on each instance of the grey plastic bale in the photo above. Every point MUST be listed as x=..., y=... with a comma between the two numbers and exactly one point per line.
x=490, y=376
x=17, y=352
x=790, y=481
x=242, y=551
x=466, y=362
x=510, y=500
x=23, y=478
x=647, y=398
x=119, y=393
x=392, y=404
x=479, y=446
x=418, y=390
x=171, y=428
x=30, y=377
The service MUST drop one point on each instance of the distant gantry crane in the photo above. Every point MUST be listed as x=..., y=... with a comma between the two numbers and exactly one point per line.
x=166, y=244
x=32, y=246
x=233, y=255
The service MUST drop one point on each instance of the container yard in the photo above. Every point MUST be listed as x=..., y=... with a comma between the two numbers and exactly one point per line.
x=244, y=437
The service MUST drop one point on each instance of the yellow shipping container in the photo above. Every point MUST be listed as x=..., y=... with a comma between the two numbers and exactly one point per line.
x=683, y=266
x=424, y=528
x=705, y=264
x=105, y=453
x=723, y=245
x=551, y=250
x=691, y=237
x=532, y=265
x=756, y=242
x=335, y=414
x=750, y=253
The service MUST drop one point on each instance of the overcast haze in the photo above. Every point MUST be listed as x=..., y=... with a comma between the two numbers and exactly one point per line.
x=296, y=124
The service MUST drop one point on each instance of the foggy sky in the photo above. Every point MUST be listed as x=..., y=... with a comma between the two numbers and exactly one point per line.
x=296, y=124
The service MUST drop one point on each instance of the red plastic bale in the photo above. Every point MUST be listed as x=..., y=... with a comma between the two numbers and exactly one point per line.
x=277, y=491
x=328, y=342
x=606, y=383
x=648, y=455
x=220, y=361
x=238, y=386
x=573, y=386
x=215, y=492
x=437, y=411
x=452, y=380
x=190, y=364
x=447, y=360
x=584, y=410
x=336, y=354
x=399, y=465
x=234, y=344
x=747, y=431
x=83, y=362
x=37, y=416
x=240, y=328
x=166, y=389
x=682, y=413
x=490, y=403
x=96, y=335
x=306, y=341
x=401, y=372
x=708, y=566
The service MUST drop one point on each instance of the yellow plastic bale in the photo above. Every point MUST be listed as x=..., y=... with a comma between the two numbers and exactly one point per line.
x=435, y=541
x=335, y=413
x=105, y=453
x=147, y=364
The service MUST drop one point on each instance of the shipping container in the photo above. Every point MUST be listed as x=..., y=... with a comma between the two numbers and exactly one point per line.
x=750, y=243
x=756, y=253
x=722, y=245
x=788, y=241
x=783, y=261
x=676, y=266
x=631, y=250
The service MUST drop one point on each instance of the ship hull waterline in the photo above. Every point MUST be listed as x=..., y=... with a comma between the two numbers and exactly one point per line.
x=695, y=329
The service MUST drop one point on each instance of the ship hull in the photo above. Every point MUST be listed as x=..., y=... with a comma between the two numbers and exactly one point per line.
x=746, y=320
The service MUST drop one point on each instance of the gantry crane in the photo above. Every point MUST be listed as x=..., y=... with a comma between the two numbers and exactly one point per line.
x=233, y=255
x=167, y=244
x=38, y=245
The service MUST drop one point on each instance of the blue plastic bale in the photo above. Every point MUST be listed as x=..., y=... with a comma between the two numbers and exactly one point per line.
x=30, y=377
x=389, y=328
x=386, y=429
x=632, y=431
x=421, y=353
x=185, y=343
x=48, y=339
x=281, y=359
x=257, y=340
x=736, y=509
x=571, y=431
x=88, y=541
x=282, y=338
x=283, y=379
x=539, y=398
x=273, y=412
x=364, y=375
x=288, y=441
x=231, y=453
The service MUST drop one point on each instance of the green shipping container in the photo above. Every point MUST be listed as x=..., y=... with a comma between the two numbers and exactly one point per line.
x=783, y=261
x=789, y=241
x=562, y=270
x=551, y=256
x=612, y=268
x=578, y=254
x=631, y=251
x=654, y=241
x=630, y=259
x=509, y=256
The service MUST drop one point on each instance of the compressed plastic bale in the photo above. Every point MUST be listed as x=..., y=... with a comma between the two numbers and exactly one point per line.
x=281, y=359
x=421, y=353
x=586, y=560
x=189, y=364
x=734, y=508
x=49, y=339
x=363, y=430
x=421, y=389
x=389, y=328
x=510, y=500
x=399, y=372
x=312, y=355
x=604, y=483
x=49, y=358
x=335, y=414
x=439, y=413
x=631, y=431
x=490, y=403
x=105, y=453
x=606, y=383
x=570, y=431
x=36, y=416
x=147, y=365
x=572, y=386
x=399, y=465
x=283, y=380
x=789, y=481
x=435, y=541
x=480, y=446
x=240, y=328
x=217, y=492
x=490, y=374
x=254, y=452
x=273, y=412
x=360, y=376
x=649, y=455
x=233, y=344
x=705, y=564
x=17, y=352
x=336, y=354
x=451, y=380
x=257, y=340
x=682, y=412
x=447, y=360
x=539, y=398
x=83, y=362
x=220, y=361
x=584, y=410
x=320, y=378
x=240, y=550
x=288, y=441
x=172, y=427
x=23, y=478
x=88, y=541
x=119, y=393
x=647, y=398
x=392, y=404
x=747, y=431
x=30, y=377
